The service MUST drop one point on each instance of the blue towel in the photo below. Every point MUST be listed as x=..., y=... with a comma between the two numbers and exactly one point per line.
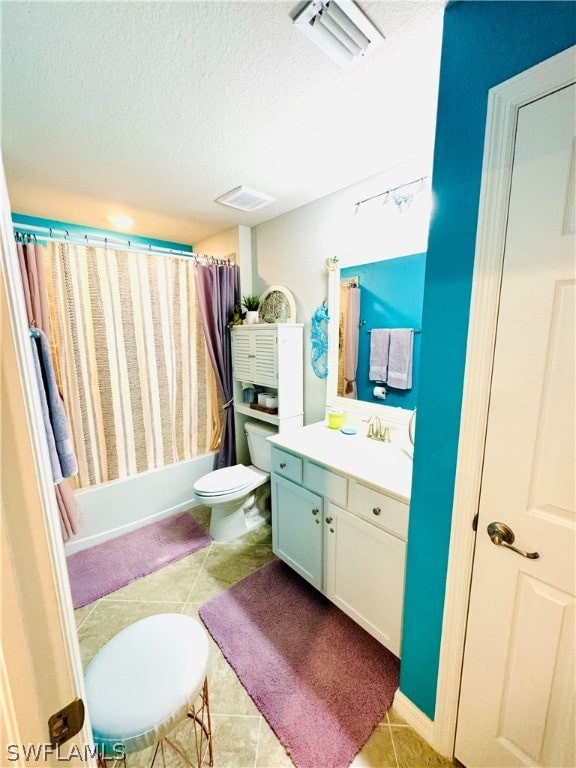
x=58, y=421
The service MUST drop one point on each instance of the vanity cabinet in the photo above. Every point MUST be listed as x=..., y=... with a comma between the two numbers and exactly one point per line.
x=345, y=537
x=365, y=574
x=297, y=528
x=270, y=357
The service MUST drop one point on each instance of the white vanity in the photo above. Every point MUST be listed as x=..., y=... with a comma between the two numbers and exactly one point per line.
x=340, y=519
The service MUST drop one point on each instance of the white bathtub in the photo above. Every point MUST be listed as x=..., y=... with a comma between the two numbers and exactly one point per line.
x=120, y=506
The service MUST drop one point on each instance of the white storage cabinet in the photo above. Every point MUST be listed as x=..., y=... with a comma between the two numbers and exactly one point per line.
x=270, y=356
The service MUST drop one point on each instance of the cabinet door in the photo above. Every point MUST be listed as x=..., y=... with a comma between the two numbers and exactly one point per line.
x=297, y=528
x=265, y=357
x=365, y=574
x=242, y=356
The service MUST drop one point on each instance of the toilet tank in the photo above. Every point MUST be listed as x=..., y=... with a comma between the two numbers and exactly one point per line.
x=260, y=449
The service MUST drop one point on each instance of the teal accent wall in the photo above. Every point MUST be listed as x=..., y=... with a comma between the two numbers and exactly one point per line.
x=484, y=43
x=77, y=229
x=391, y=297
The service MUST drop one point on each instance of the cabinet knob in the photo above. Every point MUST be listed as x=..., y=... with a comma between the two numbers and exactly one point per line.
x=317, y=521
x=376, y=510
x=331, y=530
x=329, y=520
x=315, y=511
x=282, y=465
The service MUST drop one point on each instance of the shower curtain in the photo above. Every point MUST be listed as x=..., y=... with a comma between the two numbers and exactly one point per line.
x=34, y=284
x=217, y=287
x=348, y=341
x=131, y=359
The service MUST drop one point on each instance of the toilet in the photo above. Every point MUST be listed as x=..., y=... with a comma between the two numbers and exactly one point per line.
x=239, y=496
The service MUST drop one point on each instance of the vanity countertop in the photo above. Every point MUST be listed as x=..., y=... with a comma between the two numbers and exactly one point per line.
x=383, y=465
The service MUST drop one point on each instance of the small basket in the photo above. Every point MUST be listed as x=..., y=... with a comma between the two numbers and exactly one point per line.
x=264, y=409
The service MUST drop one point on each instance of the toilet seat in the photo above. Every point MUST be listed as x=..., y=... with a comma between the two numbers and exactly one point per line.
x=221, y=482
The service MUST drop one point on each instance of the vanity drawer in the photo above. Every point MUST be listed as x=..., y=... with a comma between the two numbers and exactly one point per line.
x=287, y=465
x=380, y=509
x=326, y=483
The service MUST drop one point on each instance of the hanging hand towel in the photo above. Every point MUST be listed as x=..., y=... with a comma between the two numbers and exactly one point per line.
x=400, y=358
x=52, y=452
x=58, y=419
x=379, y=353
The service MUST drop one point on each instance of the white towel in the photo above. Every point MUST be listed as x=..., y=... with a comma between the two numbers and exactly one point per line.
x=379, y=352
x=400, y=358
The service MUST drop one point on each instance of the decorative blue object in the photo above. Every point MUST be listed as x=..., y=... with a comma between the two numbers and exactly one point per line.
x=319, y=340
x=348, y=430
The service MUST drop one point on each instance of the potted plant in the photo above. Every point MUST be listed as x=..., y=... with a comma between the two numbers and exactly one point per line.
x=251, y=304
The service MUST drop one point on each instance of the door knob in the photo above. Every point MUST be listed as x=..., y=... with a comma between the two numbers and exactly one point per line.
x=503, y=536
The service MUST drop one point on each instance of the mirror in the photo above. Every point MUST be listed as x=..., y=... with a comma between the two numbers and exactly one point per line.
x=385, y=294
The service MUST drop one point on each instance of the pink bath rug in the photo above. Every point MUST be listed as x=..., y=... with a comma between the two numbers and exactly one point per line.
x=319, y=679
x=102, y=569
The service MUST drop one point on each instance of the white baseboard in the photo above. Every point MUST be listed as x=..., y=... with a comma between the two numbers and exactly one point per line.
x=415, y=718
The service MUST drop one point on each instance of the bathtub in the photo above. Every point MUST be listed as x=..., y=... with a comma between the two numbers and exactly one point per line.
x=120, y=506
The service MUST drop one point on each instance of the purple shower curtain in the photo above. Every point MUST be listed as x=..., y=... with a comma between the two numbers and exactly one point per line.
x=217, y=290
x=32, y=271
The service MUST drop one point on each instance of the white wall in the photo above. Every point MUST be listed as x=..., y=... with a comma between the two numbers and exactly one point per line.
x=291, y=250
x=233, y=243
x=224, y=244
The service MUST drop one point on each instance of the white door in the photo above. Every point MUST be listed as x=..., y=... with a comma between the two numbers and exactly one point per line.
x=517, y=695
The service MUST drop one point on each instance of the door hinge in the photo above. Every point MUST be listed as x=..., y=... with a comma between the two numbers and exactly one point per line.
x=475, y=522
x=65, y=723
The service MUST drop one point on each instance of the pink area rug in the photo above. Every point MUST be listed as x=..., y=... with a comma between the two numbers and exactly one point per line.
x=102, y=569
x=319, y=679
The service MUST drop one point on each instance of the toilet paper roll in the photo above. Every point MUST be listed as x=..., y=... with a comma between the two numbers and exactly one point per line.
x=262, y=397
x=271, y=402
x=379, y=393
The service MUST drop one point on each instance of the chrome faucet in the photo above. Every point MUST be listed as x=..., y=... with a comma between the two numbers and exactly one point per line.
x=377, y=430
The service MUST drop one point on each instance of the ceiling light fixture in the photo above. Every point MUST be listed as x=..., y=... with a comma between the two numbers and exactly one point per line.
x=339, y=28
x=245, y=199
x=121, y=222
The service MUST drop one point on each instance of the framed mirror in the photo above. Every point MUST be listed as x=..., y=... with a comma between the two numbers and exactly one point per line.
x=386, y=294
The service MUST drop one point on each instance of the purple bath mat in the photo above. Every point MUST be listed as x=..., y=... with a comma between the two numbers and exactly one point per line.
x=319, y=679
x=102, y=569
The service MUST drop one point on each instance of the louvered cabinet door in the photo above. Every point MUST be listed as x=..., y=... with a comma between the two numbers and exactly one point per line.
x=265, y=346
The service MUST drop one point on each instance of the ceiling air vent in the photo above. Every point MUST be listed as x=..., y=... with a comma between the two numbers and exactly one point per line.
x=245, y=199
x=339, y=28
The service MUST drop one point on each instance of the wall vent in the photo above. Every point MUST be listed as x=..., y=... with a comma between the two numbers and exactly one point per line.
x=245, y=199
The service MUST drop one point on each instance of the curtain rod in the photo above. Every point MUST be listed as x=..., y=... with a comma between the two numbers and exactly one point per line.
x=389, y=191
x=99, y=241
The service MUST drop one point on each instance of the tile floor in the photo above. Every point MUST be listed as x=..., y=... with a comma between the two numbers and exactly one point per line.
x=242, y=737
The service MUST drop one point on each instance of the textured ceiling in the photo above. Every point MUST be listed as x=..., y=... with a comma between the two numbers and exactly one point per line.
x=155, y=109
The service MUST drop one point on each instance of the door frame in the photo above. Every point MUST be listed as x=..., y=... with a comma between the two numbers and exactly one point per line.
x=504, y=102
x=49, y=630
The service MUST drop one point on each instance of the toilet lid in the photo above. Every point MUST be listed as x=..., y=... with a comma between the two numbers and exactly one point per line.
x=226, y=480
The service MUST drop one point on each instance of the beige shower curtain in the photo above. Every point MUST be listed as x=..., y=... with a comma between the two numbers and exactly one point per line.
x=131, y=359
x=348, y=341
